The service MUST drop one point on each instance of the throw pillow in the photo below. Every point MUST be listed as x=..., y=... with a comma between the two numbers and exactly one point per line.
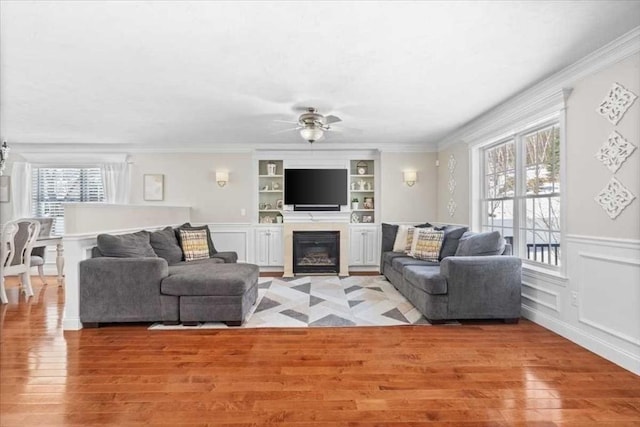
x=389, y=232
x=132, y=245
x=165, y=245
x=188, y=226
x=194, y=244
x=410, y=234
x=480, y=244
x=452, y=235
x=426, y=244
x=400, y=243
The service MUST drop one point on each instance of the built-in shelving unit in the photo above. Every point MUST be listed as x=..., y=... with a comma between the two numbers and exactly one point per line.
x=362, y=188
x=270, y=191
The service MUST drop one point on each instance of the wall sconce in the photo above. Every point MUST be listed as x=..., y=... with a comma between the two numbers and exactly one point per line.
x=409, y=177
x=222, y=178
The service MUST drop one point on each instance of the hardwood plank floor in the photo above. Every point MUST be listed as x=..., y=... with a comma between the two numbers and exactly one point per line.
x=477, y=374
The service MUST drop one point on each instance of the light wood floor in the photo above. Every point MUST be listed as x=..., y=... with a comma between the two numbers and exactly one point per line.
x=474, y=374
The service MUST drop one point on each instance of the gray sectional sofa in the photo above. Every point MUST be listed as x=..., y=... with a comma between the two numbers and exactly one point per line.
x=142, y=277
x=475, y=278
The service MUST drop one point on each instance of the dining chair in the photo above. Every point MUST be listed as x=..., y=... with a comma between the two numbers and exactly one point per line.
x=38, y=254
x=15, y=253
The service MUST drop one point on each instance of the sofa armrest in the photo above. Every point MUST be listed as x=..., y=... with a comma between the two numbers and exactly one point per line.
x=227, y=257
x=481, y=285
x=121, y=289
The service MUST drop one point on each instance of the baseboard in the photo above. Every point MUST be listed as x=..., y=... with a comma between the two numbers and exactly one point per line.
x=612, y=353
x=71, y=324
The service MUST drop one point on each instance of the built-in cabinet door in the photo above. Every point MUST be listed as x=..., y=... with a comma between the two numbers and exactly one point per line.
x=370, y=247
x=269, y=249
x=356, y=238
x=276, y=250
x=363, y=245
x=262, y=246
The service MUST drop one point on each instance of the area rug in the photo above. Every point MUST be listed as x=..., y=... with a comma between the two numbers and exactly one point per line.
x=329, y=301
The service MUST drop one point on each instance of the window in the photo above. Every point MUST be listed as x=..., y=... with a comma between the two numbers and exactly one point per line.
x=54, y=186
x=521, y=192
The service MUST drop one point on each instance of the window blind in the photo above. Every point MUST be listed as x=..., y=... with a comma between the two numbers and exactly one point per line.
x=54, y=186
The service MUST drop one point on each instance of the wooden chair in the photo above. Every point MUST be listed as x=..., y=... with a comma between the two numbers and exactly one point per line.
x=38, y=254
x=15, y=253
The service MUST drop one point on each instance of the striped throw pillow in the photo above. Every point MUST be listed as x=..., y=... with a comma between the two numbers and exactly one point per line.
x=194, y=244
x=426, y=244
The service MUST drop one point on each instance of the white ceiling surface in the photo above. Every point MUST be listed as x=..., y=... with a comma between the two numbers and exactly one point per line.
x=202, y=74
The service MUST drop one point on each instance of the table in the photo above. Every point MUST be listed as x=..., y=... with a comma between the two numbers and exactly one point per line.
x=57, y=241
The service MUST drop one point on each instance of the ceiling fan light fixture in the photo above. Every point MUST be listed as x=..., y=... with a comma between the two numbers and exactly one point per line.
x=311, y=133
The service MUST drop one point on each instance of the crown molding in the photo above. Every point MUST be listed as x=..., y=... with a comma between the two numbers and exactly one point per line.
x=543, y=94
x=26, y=149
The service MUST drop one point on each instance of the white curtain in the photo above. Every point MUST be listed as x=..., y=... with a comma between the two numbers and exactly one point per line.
x=116, y=179
x=21, y=189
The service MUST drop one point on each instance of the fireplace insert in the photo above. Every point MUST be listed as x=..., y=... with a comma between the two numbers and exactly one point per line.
x=316, y=251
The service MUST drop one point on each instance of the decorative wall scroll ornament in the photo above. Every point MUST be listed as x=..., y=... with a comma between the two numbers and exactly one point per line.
x=617, y=102
x=452, y=164
x=615, y=151
x=451, y=207
x=614, y=198
x=452, y=184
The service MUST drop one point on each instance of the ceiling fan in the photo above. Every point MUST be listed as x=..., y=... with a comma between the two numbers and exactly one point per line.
x=312, y=125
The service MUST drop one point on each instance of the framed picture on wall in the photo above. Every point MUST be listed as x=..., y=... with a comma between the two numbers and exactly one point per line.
x=153, y=187
x=5, y=188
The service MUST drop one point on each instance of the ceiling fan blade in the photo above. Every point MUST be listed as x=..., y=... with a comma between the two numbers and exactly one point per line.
x=332, y=119
x=342, y=129
x=285, y=130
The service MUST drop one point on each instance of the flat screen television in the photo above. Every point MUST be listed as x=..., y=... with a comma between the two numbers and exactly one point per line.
x=317, y=187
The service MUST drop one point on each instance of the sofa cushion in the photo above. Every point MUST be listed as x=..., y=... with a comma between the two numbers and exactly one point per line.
x=400, y=263
x=480, y=244
x=426, y=244
x=184, y=266
x=187, y=225
x=389, y=232
x=132, y=245
x=194, y=244
x=452, y=235
x=427, y=279
x=165, y=245
x=209, y=278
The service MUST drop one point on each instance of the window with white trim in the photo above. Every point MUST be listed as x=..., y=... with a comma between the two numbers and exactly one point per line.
x=51, y=187
x=520, y=192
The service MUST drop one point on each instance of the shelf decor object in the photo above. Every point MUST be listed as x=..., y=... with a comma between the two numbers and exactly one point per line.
x=362, y=168
x=614, y=198
x=616, y=103
x=615, y=151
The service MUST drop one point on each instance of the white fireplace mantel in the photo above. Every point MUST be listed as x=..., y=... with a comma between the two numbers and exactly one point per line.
x=316, y=217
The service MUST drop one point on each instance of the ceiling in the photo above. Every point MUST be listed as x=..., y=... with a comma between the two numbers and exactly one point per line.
x=200, y=75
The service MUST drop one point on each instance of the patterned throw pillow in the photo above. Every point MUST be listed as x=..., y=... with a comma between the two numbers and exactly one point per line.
x=426, y=244
x=194, y=244
x=407, y=246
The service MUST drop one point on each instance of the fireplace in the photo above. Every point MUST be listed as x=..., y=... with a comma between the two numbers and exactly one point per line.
x=316, y=252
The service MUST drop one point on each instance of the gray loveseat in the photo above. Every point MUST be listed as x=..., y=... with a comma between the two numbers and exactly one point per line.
x=142, y=277
x=483, y=285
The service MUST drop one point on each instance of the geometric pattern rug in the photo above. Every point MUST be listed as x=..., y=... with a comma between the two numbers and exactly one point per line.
x=321, y=301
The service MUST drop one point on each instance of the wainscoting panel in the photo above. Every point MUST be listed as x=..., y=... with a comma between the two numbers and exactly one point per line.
x=232, y=237
x=609, y=295
x=599, y=306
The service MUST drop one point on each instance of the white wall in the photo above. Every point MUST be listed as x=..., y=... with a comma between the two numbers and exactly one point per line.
x=587, y=131
x=189, y=180
x=594, y=301
x=401, y=203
